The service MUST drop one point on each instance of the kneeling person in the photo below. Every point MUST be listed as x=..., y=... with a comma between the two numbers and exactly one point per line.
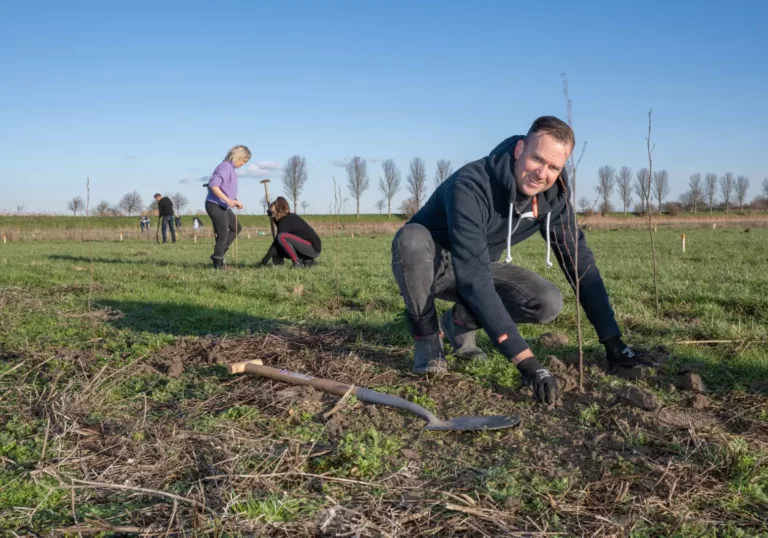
x=295, y=239
x=450, y=250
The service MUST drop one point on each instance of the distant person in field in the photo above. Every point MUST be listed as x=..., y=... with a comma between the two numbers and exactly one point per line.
x=165, y=210
x=295, y=239
x=144, y=223
x=450, y=250
x=222, y=197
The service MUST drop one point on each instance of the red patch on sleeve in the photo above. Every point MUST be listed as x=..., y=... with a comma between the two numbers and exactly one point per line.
x=503, y=338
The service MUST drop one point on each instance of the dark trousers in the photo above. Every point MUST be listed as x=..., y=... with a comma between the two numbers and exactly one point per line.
x=225, y=228
x=424, y=271
x=295, y=248
x=168, y=223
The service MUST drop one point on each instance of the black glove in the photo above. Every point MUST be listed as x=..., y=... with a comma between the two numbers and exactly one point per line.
x=539, y=380
x=620, y=354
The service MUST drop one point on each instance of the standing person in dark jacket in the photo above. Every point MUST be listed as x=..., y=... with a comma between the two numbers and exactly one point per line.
x=222, y=197
x=450, y=247
x=295, y=239
x=165, y=210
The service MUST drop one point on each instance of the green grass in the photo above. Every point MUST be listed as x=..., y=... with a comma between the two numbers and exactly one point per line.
x=123, y=302
x=717, y=290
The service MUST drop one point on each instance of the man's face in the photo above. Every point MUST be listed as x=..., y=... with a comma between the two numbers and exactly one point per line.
x=539, y=160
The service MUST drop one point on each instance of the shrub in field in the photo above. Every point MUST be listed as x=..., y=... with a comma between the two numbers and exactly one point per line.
x=673, y=209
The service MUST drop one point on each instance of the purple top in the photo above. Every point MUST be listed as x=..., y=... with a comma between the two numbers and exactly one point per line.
x=225, y=178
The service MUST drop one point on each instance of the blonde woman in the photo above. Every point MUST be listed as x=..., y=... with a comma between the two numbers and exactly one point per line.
x=222, y=197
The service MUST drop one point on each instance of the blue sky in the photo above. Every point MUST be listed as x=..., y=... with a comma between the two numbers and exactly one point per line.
x=150, y=95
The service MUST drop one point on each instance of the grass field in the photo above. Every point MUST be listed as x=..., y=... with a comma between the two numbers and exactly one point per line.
x=118, y=415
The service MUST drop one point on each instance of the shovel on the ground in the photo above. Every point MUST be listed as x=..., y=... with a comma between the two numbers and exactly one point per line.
x=372, y=397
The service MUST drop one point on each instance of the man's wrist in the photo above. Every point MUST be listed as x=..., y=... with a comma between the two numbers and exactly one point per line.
x=520, y=357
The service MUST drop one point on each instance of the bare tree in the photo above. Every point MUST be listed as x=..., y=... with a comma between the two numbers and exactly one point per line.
x=76, y=204
x=304, y=206
x=727, y=182
x=606, y=181
x=408, y=207
x=696, y=192
x=19, y=208
x=390, y=184
x=584, y=203
x=710, y=189
x=294, y=178
x=130, y=202
x=742, y=186
x=642, y=188
x=443, y=171
x=624, y=183
x=357, y=171
x=102, y=209
x=765, y=187
x=179, y=202
x=660, y=187
x=417, y=181
x=153, y=206
x=380, y=204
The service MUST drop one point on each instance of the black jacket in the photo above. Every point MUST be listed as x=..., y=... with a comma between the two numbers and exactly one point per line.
x=165, y=207
x=469, y=215
x=294, y=225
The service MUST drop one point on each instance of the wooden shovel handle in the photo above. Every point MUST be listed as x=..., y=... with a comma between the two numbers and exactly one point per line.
x=294, y=378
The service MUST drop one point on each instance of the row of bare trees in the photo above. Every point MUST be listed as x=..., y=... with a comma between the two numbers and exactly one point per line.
x=700, y=193
x=358, y=181
x=390, y=183
x=131, y=203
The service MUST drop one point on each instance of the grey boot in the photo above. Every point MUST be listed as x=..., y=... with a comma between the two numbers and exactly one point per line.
x=428, y=356
x=462, y=341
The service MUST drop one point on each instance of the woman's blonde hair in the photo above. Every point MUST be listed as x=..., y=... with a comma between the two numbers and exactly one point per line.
x=279, y=208
x=238, y=153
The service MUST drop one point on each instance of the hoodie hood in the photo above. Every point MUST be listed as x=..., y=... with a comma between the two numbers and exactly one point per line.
x=500, y=167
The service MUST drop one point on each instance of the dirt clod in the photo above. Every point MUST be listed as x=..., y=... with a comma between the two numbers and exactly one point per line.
x=553, y=340
x=699, y=401
x=410, y=454
x=636, y=373
x=555, y=364
x=691, y=381
x=639, y=398
x=566, y=383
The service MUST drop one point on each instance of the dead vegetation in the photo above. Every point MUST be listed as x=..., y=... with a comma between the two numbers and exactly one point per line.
x=172, y=445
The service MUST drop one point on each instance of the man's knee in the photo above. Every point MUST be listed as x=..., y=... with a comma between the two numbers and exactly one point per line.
x=412, y=240
x=550, y=305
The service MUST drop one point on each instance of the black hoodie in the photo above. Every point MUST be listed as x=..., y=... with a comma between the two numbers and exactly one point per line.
x=469, y=213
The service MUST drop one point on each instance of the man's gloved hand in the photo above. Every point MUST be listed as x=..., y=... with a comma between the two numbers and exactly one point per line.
x=539, y=380
x=620, y=354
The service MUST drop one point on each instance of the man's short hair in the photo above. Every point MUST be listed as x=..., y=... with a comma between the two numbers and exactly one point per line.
x=554, y=127
x=157, y=195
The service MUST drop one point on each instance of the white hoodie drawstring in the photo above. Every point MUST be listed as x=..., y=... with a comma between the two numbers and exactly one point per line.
x=549, y=244
x=509, y=235
x=508, y=259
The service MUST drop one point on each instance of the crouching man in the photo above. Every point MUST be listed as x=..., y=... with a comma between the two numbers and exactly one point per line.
x=450, y=247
